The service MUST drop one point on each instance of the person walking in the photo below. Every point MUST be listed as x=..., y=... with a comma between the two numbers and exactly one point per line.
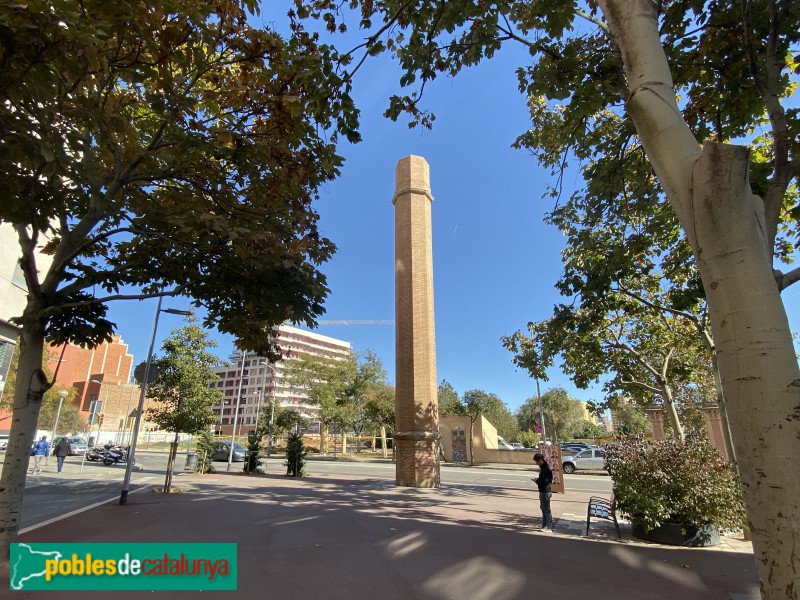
x=62, y=451
x=40, y=450
x=544, y=482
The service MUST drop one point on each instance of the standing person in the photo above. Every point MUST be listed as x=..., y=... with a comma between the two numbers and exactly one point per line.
x=62, y=451
x=40, y=450
x=544, y=483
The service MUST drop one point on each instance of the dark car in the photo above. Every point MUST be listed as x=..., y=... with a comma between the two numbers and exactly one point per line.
x=77, y=445
x=573, y=447
x=223, y=449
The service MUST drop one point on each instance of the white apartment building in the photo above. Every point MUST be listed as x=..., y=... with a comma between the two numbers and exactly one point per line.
x=261, y=379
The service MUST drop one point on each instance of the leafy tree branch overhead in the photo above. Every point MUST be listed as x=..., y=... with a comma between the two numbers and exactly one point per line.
x=677, y=112
x=160, y=148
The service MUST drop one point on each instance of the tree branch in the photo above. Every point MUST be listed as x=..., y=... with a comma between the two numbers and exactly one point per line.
x=174, y=292
x=641, y=386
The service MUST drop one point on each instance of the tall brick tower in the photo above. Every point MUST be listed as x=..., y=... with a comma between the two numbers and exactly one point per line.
x=417, y=408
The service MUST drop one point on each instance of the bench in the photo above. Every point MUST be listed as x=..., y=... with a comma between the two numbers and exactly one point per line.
x=602, y=508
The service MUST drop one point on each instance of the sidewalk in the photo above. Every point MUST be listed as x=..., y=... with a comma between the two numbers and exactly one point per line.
x=348, y=538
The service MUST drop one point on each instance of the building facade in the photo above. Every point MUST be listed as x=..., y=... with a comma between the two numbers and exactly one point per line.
x=88, y=369
x=13, y=297
x=262, y=380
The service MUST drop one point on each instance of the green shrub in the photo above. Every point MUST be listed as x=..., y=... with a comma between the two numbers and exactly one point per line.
x=295, y=456
x=667, y=481
x=205, y=448
x=254, y=446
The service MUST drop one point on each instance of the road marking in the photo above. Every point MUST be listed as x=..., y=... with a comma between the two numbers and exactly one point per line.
x=82, y=509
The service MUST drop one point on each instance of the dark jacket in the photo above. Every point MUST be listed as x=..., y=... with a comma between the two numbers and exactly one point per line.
x=545, y=480
x=62, y=448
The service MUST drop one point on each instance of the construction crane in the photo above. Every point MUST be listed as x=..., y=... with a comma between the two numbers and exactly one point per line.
x=355, y=322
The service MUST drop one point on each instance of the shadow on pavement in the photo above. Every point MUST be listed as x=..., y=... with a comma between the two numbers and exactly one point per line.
x=352, y=538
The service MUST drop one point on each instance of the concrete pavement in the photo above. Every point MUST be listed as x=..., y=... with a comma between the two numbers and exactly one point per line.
x=348, y=538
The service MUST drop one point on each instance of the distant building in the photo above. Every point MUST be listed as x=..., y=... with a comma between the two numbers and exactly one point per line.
x=587, y=414
x=605, y=423
x=88, y=369
x=262, y=380
x=614, y=420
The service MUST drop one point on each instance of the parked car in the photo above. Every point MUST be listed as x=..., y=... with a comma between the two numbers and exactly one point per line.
x=223, y=449
x=77, y=445
x=3, y=442
x=518, y=445
x=573, y=447
x=594, y=458
x=502, y=444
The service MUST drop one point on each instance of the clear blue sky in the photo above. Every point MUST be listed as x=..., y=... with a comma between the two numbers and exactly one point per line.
x=495, y=261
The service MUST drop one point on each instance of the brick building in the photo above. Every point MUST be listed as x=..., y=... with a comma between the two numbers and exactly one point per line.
x=88, y=369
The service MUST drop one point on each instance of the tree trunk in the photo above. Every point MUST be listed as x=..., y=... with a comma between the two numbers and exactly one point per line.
x=723, y=411
x=672, y=412
x=471, y=447
x=724, y=222
x=173, y=452
x=27, y=401
x=323, y=438
x=383, y=441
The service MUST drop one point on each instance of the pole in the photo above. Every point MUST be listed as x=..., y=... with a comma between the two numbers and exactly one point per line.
x=61, y=395
x=123, y=497
x=541, y=412
x=236, y=412
x=127, y=416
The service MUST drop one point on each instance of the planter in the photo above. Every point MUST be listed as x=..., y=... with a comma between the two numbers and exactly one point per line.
x=677, y=534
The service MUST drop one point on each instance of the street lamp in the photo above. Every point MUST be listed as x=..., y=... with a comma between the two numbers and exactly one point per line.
x=263, y=389
x=236, y=412
x=123, y=497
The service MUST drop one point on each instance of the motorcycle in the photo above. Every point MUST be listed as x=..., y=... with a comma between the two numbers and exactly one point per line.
x=115, y=455
x=96, y=454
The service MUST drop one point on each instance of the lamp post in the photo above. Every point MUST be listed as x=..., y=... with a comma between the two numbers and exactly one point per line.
x=272, y=409
x=236, y=411
x=126, y=482
x=272, y=393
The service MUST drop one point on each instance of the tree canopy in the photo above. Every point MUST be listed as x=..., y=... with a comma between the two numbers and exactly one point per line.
x=158, y=148
x=672, y=109
x=148, y=129
x=182, y=389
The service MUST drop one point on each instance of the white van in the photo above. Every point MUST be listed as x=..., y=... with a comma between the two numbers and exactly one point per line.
x=502, y=444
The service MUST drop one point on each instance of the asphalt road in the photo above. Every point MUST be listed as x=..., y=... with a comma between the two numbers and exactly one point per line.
x=52, y=495
x=456, y=475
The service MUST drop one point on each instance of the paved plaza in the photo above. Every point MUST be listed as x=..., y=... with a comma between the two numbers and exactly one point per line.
x=348, y=538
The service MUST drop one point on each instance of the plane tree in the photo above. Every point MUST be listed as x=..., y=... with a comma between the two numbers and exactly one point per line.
x=476, y=403
x=689, y=85
x=644, y=353
x=155, y=148
x=380, y=409
x=182, y=390
x=449, y=402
